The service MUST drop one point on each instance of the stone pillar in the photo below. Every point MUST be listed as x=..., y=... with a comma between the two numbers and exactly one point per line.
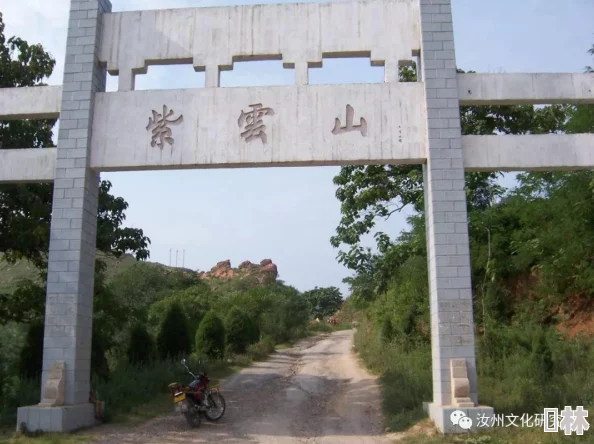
x=69, y=302
x=452, y=325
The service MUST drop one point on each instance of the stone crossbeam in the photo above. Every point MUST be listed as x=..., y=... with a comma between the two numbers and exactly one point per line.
x=28, y=165
x=43, y=102
x=550, y=152
x=546, y=152
x=525, y=89
x=39, y=102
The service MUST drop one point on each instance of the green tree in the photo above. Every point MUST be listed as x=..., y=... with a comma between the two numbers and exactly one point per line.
x=239, y=331
x=31, y=362
x=323, y=302
x=371, y=192
x=174, y=339
x=287, y=315
x=195, y=302
x=99, y=347
x=210, y=337
x=25, y=209
x=141, y=348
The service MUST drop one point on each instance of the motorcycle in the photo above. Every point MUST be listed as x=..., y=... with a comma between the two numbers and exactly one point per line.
x=197, y=398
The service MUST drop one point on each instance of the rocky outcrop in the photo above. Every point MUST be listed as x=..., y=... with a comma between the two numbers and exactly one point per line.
x=264, y=273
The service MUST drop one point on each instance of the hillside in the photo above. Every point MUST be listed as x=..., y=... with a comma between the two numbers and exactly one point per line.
x=256, y=274
x=11, y=274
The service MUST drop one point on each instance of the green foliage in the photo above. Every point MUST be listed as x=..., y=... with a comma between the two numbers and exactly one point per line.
x=195, y=302
x=141, y=347
x=526, y=367
x=387, y=333
x=532, y=250
x=405, y=376
x=130, y=386
x=25, y=209
x=173, y=339
x=261, y=349
x=19, y=392
x=31, y=359
x=323, y=302
x=210, y=337
x=240, y=331
x=99, y=348
x=371, y=192
x=287, y=317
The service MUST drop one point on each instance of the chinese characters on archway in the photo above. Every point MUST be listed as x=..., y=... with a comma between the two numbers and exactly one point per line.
x=161, y=131
x=251, y=124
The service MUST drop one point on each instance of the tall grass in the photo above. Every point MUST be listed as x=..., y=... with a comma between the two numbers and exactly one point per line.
x=19, y=392
x=524, y=369
x=521, y=369
x=405, y=375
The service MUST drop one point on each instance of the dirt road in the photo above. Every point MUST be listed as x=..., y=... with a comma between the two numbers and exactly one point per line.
x=316, y=392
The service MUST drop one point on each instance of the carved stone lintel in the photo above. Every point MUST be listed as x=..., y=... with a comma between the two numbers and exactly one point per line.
x=460, y=384
x=53, y=392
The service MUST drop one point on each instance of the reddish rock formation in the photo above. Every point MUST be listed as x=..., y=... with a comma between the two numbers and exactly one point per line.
x=264, y=273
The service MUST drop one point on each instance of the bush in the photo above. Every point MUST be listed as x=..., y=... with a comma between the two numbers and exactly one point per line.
x=387, y=333
x=405, y=376
x=173, y=339
x=141, y=349
x=210, y=337
x=194, y=302
x=286, y=317
x=526, y=368
x=20, y=392
x=131, y=386
x=261, y=349
x=240, y=331
x=31, y=359
x=99, y=364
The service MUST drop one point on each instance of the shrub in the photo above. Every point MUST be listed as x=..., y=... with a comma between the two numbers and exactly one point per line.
x=194, y=302
x=141, y=349
x=173, y=339
x=31, y=359
x=210, y=337
x=261, y=349
x=387, y=333
x=239, y=330
x=132, y=386
x=99, y=364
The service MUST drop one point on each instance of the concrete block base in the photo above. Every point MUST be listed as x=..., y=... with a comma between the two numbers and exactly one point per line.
x=65, y=418
x=441, y=416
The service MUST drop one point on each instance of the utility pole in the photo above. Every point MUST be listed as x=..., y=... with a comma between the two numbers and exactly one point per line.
x=184, y=259
x=170, y=257
x=176, y=251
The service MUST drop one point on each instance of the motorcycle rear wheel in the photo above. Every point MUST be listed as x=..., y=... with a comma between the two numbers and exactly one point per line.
x=193, y=418
x=216, y=412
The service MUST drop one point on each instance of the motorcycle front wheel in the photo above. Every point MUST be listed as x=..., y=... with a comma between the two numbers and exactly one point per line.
x=217, y=406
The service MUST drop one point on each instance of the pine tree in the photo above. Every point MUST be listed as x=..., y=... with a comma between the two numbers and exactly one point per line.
x=210, y=337
x=141, y=349
x=174, y=339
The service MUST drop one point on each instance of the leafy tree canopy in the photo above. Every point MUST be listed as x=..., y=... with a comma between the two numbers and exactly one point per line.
x=25, y=209
x=371, y=192
x=323, y=302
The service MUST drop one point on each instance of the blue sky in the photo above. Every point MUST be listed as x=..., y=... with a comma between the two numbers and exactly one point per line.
x=289, y=214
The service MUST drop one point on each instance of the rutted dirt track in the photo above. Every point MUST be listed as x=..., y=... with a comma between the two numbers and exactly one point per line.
x=315, y=392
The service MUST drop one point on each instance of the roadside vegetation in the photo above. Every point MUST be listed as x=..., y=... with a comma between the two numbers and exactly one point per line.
x=532, y=264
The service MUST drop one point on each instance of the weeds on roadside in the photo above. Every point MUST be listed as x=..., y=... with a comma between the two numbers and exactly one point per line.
x=521, y=369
